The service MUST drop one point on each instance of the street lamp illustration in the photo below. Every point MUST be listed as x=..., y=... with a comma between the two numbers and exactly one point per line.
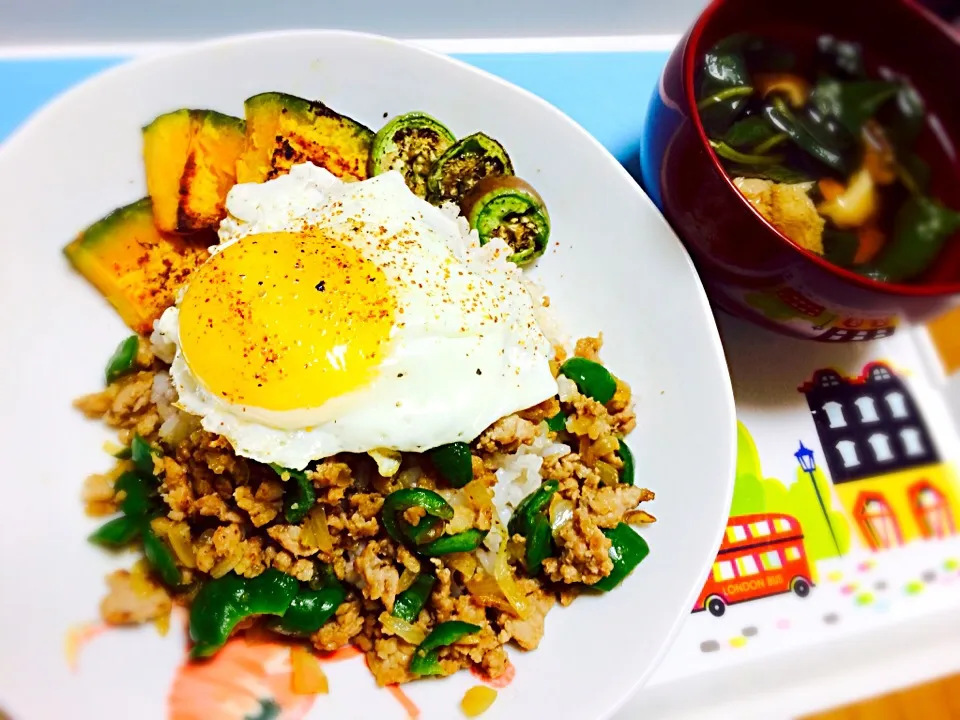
x=804, y=456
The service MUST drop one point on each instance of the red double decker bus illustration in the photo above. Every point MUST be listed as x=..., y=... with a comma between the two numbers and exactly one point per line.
x=760, y=555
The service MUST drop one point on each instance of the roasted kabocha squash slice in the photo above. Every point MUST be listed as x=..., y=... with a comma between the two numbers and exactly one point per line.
x=137, y=268
x=191, y=161
x=283, y=130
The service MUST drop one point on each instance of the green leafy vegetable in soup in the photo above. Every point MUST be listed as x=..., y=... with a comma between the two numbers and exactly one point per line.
x=827, y=152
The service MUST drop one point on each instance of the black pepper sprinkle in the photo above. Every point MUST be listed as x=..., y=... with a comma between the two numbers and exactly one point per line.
x=321, y=286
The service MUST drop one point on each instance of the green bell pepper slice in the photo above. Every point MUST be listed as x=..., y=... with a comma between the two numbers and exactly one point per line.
x=160, y=557
x=532, y=505
x=539, y=544
x=425, y=660
x=454, y=463
x=299, y=499
x=410, y=602
x=558, y=422
x=627, y=472
x=426, y=531
x=142, y=454
x=466, y=541
x=140, y=493
x=591, y=378
x=311, y=609
x=627, y=550
x=529, y=520
x=123, y=360
x=116, y=533
x=222, y=603
x=399, y=501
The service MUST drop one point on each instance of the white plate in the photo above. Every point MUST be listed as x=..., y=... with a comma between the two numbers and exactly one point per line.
x=615, y=266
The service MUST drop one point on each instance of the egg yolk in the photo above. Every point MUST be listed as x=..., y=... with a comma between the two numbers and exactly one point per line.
x=283, y=321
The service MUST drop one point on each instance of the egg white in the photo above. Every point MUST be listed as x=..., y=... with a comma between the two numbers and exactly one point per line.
x=468, y=352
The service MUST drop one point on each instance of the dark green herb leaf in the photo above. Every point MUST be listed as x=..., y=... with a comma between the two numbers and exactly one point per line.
x=759, y=53
x=840, y=58
x=852, y=103
x=809, y=133
x=723, y=67
x=905, y=118
x=724, y=89
x=840, y=246
x=749, y=132
x=921, y=228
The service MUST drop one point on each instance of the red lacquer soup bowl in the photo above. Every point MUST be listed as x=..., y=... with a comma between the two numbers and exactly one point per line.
x=750, y=268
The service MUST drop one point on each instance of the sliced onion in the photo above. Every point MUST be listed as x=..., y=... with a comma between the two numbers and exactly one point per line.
x=561, y=512
x=607, y=472
x=478, y=494
x=402, y=629
x=604, y=446
x=140, y=581
x=228, y=563
x=408, y=478
x=503, y=574
x=111, y=448
x=179, y=539
x=485, y=591
x=406, y=579
x=162, y=624
x=316, y=524
x=465, y=563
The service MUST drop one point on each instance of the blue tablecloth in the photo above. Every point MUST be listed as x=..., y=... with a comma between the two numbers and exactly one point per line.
x=607, y=93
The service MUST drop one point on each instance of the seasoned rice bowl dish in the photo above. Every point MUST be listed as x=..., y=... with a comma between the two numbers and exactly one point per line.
x=346, y=416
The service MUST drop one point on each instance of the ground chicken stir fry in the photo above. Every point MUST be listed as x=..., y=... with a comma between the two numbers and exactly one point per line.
x=329, y=549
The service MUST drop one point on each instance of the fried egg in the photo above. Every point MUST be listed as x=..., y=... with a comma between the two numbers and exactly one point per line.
x=351, y=317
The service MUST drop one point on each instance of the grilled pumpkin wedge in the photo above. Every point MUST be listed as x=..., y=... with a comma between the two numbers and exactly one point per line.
x=137, y=268
x=283, y=130
x=191, y=160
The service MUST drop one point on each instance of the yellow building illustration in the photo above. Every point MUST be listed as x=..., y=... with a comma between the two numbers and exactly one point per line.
x=900, y=507
x=884, y=466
